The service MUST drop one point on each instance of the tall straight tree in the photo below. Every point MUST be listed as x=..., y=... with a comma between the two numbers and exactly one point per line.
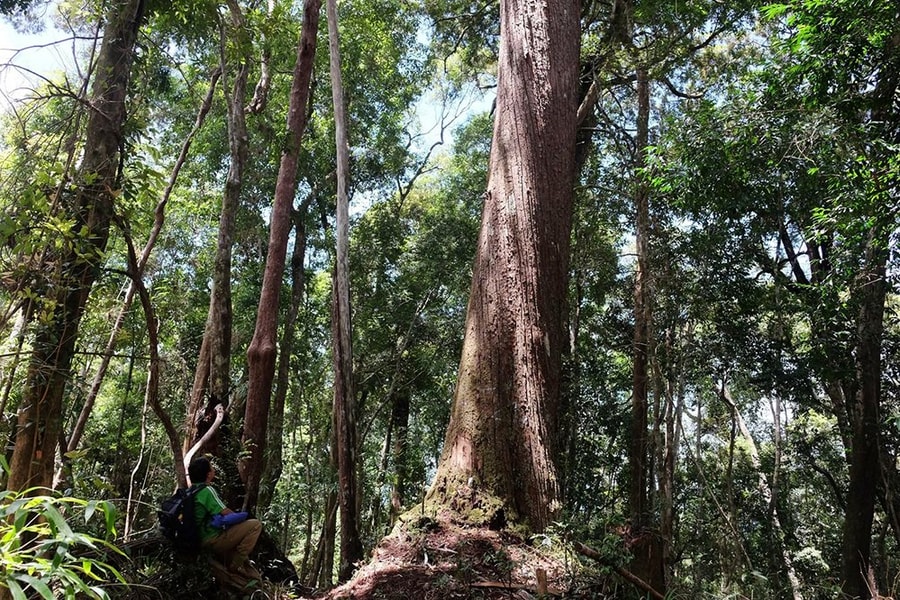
x=90, y=206
x=262, y=350
x=647, y=562
x=499, y=447
x=344, y=410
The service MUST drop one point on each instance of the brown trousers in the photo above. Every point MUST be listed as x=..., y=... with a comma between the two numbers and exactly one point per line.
x=233, y=546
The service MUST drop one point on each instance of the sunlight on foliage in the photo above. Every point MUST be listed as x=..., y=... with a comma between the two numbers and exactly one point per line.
x=43, y=553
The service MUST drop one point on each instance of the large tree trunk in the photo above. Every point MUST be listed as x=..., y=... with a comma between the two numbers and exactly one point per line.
x=92, y=209
x=864, y=408
x=262, y=350
x=344, y=411
x=498, y=451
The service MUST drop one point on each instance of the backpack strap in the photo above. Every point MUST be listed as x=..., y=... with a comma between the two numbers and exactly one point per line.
x=192, y=492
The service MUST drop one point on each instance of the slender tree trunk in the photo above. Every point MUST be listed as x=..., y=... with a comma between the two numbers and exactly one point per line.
x=375, y=505
x=344, y=411
x=637, y=458
x=261, y=92
x=647, y=551
x=766, y=493
x=320, y=574
x=499, y=445
x=262, y=350
x=92, y=208
x=400, y=425
x=7, y=425
x=120, y=477
x=865, y=469
x=675, y=389
x=273, y=463
x=399, y=420
x=212, y=379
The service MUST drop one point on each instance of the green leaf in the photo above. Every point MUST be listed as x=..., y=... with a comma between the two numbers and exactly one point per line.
x=773, y=11
x=60, y=527
x=59, y=556
x=76, y=454
x=109, y=510
x=19, y=523
x=39, y=586
x=89, y=510
x=16, y=590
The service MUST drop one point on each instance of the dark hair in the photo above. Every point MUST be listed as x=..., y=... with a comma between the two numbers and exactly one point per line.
x=199, y=469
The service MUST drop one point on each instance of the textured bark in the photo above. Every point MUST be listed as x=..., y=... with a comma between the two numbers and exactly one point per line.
x=92, y=208
x=262, y=350
x=344, y=411
x=498, y=451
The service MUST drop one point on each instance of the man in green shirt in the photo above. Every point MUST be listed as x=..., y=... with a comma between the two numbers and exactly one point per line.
x=233, y=543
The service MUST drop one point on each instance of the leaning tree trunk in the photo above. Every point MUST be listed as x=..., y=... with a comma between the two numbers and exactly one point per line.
x=92, y=208
x=498, y=451
x=158, y=221
x=766, y=495
x=262, y=350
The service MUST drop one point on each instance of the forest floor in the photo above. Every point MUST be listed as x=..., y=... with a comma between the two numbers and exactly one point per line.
x=422, y=559
x=441, y=560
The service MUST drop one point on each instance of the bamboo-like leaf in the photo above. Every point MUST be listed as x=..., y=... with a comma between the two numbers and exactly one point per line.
x=60, y=527
x=16, y=590
x=101, y=593
x=39, y=586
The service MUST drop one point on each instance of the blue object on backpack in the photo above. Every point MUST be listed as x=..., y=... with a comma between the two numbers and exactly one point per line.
x=221, y=521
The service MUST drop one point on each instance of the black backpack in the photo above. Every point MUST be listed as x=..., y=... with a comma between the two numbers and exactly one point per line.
x=178, y=520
